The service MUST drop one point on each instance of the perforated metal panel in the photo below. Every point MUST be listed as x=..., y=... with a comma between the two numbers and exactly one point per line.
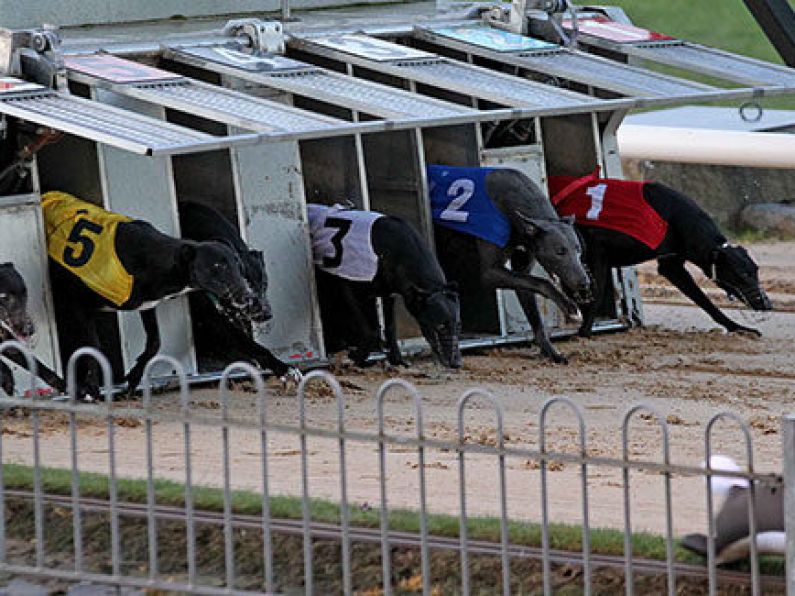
x=229, y=106
x=564, y=63
x=300, y=78
x=105, y=124
x=602, y=73
x=479, y=82
x=376, y=99
x=720, y=64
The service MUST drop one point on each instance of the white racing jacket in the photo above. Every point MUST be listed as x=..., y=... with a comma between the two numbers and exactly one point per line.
x=342, y=241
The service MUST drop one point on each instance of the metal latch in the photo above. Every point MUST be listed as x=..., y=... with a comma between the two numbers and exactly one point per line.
x=33, y=55
x=263, y=36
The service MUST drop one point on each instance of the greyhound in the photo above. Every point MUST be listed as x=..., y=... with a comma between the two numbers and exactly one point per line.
x=360, y=256
x=15, y=324
x=485, y=217
x=227, y=335
x=665, y=225
x=732, y=528
x=103, y=261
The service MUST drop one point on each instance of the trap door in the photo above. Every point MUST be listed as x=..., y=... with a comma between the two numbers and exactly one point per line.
x=302, y=79
x=443, y=75
x=550, y=60
x=124, y=130
x=627, y=41
x=513, y=325
x=590, y=142
x=143, y=188
x=272, y=217
x=23, y=243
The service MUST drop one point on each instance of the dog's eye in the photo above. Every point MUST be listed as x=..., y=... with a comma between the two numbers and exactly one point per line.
x=560, y=251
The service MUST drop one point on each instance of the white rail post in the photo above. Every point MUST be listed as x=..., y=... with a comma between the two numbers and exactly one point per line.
x=788, y=424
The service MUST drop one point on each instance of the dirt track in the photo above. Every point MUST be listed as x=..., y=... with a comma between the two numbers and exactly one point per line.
x=679, y=363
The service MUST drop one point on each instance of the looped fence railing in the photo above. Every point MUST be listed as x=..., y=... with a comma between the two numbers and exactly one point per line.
x=543, y=463
x=179, y=410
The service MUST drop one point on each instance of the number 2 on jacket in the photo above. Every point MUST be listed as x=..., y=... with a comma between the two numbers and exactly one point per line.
x=460, y=191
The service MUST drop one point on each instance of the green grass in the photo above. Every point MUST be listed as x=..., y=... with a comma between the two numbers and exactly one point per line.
x=562, y=536
x=724, y=24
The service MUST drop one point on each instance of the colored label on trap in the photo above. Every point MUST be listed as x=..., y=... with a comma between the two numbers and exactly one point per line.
x=493, y=39
x=619, y=32
x=14, y=85
x=248, y=62
x=371, y=48
x=116, y=70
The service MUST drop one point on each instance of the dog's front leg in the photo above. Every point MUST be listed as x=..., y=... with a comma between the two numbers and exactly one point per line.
x=149, y=320
x=540, y=334
x=6, y=379
x=393, y=355
x=673, y=269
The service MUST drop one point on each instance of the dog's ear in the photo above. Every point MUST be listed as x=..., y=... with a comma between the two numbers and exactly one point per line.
x=532, y=227
x=187, y=254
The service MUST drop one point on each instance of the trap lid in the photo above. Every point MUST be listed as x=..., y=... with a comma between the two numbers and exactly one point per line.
x=101, y=123
x=300, y=78
x=444, y=73
x=642, y=43
x=177, y=92
x=556, y=61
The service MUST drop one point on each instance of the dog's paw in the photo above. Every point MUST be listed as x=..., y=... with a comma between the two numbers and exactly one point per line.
x=742, y=330
x=292, y=376
x=7, y=384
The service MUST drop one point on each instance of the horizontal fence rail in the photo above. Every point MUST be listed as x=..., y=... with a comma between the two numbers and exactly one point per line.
x=148, y=543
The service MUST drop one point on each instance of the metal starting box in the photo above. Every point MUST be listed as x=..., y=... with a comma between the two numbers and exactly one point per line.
x=263, y=117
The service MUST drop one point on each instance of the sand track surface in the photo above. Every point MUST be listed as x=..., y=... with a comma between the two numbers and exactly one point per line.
x=680, y=363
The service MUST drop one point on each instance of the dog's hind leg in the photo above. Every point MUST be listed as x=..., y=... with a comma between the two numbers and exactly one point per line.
x=393, y=354
x=149, y=320
x=673, y=269
x=364, y=335
x=600, y=281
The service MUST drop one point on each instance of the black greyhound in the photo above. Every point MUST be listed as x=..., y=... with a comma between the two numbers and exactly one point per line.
x=103, y=261
x=683, y=232
x=394, y=259
x=486, y=217
x=15, y=324
x=222, y=335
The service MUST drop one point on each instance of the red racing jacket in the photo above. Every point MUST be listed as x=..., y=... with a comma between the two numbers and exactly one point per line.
x=608, y=203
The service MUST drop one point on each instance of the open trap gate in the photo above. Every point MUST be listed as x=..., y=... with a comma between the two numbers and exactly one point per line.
x=342, y=115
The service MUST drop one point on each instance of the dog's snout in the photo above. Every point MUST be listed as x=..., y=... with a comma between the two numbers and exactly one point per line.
x=28, y=329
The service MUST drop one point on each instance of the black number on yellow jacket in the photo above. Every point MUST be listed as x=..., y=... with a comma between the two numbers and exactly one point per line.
x=79, y=235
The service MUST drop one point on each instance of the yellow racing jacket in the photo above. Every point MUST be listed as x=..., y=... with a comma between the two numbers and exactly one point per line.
x=82, y=238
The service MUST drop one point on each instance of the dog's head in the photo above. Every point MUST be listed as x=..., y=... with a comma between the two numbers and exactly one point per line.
x=14, y=320
x=438, y=313
x=735, y=272
x=218, y=270
x=556, y=246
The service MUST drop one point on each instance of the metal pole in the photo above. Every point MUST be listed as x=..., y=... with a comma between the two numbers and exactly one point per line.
x=285, y=10
x=788, y=433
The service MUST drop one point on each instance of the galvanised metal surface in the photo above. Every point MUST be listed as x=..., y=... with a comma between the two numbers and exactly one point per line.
x=605, y=74
x=568, y=64
x=372, y=98
x=230, y=106
x=480, y=82
x=102, y=123
x=724, y=65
